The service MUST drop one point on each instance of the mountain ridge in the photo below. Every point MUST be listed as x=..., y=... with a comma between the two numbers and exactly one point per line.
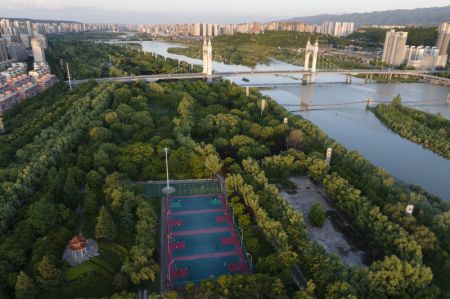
x=417, y=16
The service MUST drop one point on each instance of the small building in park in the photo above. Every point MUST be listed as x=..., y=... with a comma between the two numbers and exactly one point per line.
x=80, y=250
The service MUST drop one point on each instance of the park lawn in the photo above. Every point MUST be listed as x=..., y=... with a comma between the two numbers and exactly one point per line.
x=94, y=277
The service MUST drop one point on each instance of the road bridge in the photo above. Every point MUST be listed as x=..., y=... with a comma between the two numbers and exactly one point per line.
x=388, y=75
x=307, y=74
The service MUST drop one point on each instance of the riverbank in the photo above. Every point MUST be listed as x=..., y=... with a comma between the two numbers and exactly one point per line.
x=394, y=79
x=430, y=131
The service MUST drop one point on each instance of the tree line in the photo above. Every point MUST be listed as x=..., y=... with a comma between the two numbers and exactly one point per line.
x=430, y=131
x=88, y=58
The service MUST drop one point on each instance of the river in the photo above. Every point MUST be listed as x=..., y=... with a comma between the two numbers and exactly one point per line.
x=350, y=124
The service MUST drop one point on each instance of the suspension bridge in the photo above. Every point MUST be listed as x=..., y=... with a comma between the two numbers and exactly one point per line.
x=320, y=65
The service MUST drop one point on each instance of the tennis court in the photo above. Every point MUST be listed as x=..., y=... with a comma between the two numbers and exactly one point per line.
x=182, y=188
x=197, y=221
x=199, y=244
x=197, y=270
x=183, y=204
x=202, y=241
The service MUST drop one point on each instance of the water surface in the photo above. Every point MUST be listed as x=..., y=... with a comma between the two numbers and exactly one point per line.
x=350, y=124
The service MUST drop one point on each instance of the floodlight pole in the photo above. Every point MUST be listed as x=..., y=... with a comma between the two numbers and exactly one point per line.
x=68, y=76
x=250, y=260
x=167, y=169
x=242, y=235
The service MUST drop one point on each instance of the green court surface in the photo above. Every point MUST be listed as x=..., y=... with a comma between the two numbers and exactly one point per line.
x=195, y=203
x=182, y=188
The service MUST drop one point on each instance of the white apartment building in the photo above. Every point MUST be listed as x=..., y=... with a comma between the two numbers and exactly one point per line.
x=443, y=40
x=394, y=47
x=337, y=28
x=424, y=58
x=38, y=50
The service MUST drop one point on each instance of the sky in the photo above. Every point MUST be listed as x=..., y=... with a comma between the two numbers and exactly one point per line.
x=190, y=11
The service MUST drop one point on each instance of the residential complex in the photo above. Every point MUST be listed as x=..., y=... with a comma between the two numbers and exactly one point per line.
x=19, y=39
x=16, y=85
x=396, y=52
x=201, y=29
x=208, y=30
x=291, y=26
x=424, y=58
x=338, y=29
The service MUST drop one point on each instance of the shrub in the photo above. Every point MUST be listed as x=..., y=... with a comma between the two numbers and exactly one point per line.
x=316, y=215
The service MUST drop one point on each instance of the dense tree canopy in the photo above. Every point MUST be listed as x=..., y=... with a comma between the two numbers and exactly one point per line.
x=431, y=131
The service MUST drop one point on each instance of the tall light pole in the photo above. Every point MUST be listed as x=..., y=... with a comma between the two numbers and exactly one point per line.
x=68, y=76
x=167, y=168
x=167, y=190
x=242, y=235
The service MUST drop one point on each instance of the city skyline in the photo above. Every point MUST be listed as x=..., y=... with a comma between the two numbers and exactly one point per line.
x=139, y=11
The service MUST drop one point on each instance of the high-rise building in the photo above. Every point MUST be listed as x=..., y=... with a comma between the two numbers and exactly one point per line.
x=17, y=52
x=41, y=38
x=205, y=30
x=394, y=47
x=38, y=50
x=443, y=40
x=196, y=29
x=424, y=58
x=348, y=28
x=337, y=28
x=3, y=50
x=29, y=29
x=25, y=40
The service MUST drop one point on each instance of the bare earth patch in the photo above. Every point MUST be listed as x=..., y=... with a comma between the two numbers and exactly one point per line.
x=330, y=235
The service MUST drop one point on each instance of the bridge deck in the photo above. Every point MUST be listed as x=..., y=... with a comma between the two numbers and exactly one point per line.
x=161, y=77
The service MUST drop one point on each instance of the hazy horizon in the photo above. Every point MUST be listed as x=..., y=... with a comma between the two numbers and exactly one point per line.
x=176, y=11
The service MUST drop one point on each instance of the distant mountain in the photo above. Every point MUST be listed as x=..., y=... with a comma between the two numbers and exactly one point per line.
x=418, y=16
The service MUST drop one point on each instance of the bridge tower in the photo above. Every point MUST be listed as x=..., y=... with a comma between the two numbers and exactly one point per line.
x=311, y=49
x=207, y=57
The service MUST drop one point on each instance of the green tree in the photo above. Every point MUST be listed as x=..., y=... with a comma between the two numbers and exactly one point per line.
x=397, y=101
x=111, y=117
x=394, y=277
x=100, y=134
x=25, y=287
x=48, y=275
x=279, y=264
x=105, y=228
x=340, y=289
x=213, y=164
x=307, y=293
x=294, y=138
x=425, y=237
x=71, y=190
x=42, y=215
x=316, y=215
